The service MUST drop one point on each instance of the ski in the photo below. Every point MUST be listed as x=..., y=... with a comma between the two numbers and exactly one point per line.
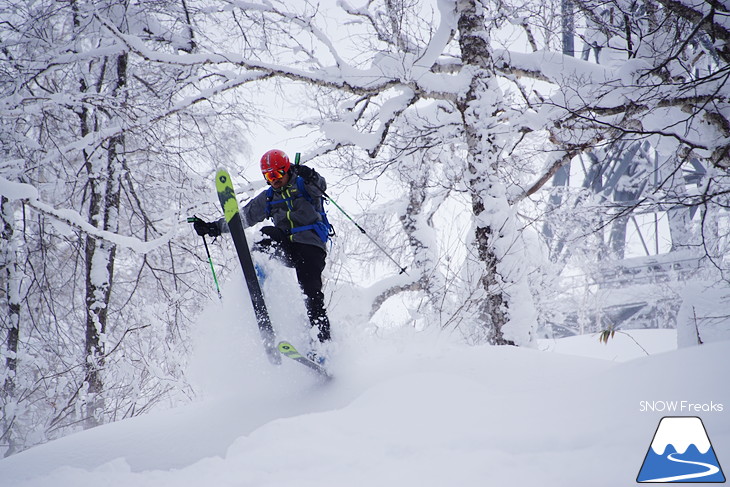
x=227, y=197
x=288, y=350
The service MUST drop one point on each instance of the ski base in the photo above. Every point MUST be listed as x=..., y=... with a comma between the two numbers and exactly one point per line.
x=288, y=350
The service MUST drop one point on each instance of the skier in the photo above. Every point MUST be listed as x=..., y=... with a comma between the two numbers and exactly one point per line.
x=298, y=235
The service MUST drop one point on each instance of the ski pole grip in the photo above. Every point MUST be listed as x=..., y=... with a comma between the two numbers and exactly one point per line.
x=297, y=156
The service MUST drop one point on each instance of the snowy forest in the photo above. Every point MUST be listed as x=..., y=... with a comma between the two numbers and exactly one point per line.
x=541, y=169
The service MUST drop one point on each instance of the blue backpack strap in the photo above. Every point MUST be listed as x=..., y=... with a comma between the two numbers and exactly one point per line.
x=303, y=189
x=269, y=197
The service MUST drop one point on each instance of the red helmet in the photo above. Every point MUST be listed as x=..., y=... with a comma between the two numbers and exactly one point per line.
x=275, y=161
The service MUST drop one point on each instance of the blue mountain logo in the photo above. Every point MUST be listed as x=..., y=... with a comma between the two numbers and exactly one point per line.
x=681, y=452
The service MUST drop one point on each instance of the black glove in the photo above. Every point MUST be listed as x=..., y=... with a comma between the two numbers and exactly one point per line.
x=206, y=228
x=274, y=233
x=307, y=173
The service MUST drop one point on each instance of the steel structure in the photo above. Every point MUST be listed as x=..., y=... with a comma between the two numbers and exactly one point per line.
x=644, y=243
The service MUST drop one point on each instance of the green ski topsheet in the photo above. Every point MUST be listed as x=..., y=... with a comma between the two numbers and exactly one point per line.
x=227, y=197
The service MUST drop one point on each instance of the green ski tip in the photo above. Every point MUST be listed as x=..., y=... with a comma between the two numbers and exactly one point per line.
x=226, y=194
x=288, y=349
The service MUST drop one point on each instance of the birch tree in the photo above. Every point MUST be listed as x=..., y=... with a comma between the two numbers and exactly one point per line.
x=11, y=323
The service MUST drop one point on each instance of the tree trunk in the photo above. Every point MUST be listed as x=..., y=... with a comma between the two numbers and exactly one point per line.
x=104, y=188
x=479, y=110
x=11, y=278
x=568, y=27
x=415, y=224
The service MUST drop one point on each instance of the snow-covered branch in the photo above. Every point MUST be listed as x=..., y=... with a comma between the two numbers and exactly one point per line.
x=29, y=195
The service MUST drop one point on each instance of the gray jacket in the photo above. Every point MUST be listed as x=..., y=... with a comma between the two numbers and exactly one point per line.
x=289, y=210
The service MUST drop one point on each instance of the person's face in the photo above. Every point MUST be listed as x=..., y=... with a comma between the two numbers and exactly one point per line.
x=277, y=179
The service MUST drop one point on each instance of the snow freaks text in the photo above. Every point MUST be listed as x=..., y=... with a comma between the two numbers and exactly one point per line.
x=682, y=407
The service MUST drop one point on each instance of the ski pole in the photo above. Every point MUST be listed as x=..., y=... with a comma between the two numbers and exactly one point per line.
x=193, y=219
x=362, y=230
x=212, y=269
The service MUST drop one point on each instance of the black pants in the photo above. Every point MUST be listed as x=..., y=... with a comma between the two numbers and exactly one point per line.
x=308, y=261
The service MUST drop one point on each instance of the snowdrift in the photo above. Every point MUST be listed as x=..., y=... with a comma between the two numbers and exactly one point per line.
x=406, y=412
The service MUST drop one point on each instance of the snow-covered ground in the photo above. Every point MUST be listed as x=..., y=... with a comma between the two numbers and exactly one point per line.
x=405, y=409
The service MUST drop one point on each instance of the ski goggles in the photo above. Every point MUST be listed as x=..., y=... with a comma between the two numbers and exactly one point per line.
x=272, y=176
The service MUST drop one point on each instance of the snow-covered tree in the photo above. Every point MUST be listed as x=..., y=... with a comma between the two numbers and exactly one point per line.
x=490, y=79
x=102, y=152
x=649, y=129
